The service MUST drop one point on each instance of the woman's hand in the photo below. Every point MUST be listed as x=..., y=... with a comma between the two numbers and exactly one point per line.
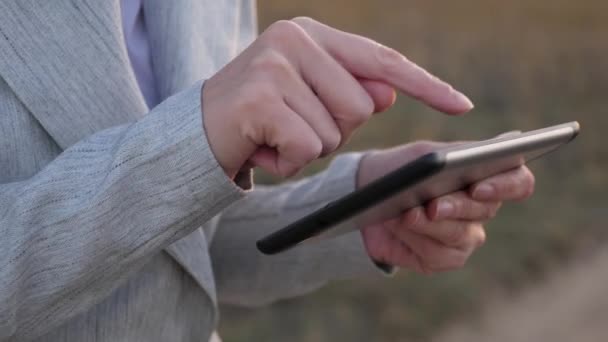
x=300, y=90
x=443, y=234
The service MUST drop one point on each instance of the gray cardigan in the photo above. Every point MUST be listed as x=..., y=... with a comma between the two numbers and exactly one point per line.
x=116, y=222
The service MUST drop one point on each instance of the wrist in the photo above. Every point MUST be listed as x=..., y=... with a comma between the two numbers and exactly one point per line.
x=222, y=131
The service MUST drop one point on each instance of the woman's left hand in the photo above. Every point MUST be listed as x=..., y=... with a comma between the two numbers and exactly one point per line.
x=443, y=234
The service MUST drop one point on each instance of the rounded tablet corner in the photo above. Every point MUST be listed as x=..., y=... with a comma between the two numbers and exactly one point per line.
x=262, y=247
x=576, y=128
x=269, y=246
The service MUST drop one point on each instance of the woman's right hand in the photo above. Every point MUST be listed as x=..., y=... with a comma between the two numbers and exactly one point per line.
x=300, y=90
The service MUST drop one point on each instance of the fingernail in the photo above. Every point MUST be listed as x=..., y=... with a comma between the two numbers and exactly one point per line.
x=444, y=209
x=484, y=192
x=462, y=98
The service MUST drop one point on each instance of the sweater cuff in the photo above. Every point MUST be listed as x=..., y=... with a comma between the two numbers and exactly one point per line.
x=209, y=185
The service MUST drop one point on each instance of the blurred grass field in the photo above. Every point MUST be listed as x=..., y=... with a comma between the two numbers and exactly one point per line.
x=525, y=64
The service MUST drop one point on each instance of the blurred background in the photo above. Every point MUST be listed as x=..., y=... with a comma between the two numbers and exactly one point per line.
x=543, y=274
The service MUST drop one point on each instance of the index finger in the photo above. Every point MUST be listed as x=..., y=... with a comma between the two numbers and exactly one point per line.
x=366, y=58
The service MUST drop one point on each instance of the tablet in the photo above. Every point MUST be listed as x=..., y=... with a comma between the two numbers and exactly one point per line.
x=419, y=181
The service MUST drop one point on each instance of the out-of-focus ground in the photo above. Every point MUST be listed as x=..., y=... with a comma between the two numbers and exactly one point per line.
x=572, y=305
x=526, y=64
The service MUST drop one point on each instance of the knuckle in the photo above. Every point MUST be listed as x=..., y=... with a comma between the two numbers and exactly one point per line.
x=304, y=21
x=331, y=142
x=317, y=149
x=308, y=151
x=311, y=150
x=366, y=107
x=283, y=32
x=270, y=62
x=353, y=121
x=357, y=118
x=389, y=59
x=281, y=29
x=360, y=112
